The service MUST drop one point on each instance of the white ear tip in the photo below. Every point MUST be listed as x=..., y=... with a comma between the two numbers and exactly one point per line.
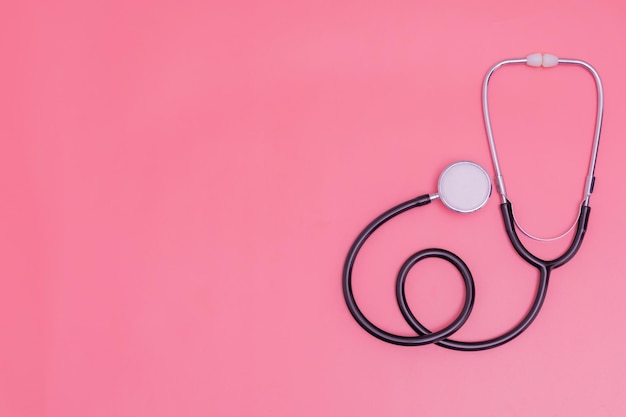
x=550, y=60
x=534, y=60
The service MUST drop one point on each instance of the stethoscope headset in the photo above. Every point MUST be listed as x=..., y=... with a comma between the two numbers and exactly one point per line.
x=466, y=187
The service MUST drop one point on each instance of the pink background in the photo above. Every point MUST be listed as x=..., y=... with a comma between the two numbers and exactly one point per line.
x=181, y=181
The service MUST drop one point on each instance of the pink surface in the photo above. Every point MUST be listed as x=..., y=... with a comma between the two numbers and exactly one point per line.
x=181, y=181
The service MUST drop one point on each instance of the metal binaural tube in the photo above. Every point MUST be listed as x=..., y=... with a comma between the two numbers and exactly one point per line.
x=545, y=60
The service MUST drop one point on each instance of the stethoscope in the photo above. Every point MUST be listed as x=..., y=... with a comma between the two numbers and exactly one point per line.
x=465, y=187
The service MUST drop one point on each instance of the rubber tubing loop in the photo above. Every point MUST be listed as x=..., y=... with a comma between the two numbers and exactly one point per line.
x=427, y=337
x=440, y=338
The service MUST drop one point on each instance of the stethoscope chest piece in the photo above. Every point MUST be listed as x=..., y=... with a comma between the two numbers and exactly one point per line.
x=464, y=187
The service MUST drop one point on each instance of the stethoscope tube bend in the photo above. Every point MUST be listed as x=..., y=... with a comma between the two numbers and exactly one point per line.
x=441, y=337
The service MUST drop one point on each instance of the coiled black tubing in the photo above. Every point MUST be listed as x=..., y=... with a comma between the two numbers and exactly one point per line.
x=442, y=337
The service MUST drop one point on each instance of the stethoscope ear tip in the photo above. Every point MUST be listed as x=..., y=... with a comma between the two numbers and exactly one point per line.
x=542, y=60
x=464, y=187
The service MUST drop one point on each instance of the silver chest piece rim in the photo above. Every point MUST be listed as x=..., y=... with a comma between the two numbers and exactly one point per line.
x=464, y=187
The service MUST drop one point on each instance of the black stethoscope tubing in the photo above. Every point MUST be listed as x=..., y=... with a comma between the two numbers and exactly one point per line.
x=441, y=337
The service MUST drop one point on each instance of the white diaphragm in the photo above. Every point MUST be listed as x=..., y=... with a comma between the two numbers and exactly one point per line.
x=464, y=187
